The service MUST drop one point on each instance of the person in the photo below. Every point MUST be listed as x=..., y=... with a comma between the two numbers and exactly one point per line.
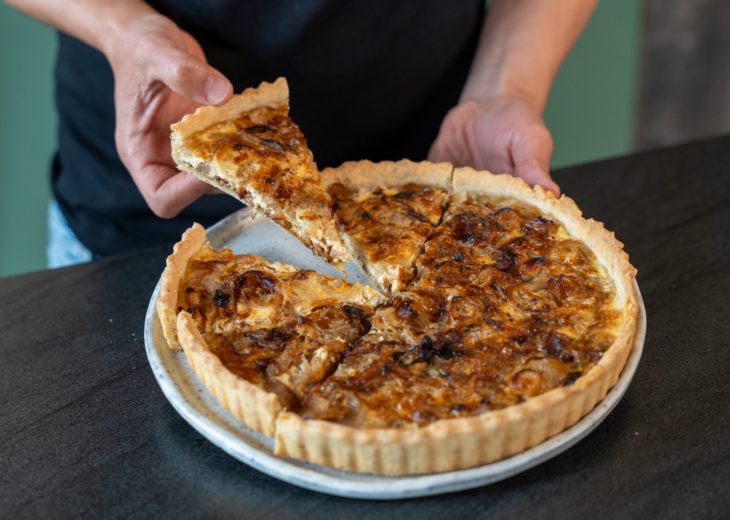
x=447, y=81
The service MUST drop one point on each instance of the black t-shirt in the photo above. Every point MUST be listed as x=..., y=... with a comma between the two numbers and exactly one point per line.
x=369, y=80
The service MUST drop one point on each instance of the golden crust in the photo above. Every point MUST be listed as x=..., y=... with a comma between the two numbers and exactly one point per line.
x=369, y=176
x=192, y=241
x=250, y=404
x=272, y=95
x=451, y=444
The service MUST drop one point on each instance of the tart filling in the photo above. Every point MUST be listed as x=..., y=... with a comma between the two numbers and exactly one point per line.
x=388, y=227
x=385, y=226
x=273, y=325
x=505, y=306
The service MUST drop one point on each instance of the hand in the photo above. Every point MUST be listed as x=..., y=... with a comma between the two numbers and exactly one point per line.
x=502, y=134
x=160, y=74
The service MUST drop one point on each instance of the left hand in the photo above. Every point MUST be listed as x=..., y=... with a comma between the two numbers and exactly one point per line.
x=501, y=134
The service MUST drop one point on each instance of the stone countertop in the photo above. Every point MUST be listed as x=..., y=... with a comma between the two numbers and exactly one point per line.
x=86, y=431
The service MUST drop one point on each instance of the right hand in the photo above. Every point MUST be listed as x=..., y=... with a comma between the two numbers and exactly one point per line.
x=503, y=134
x=160, y=74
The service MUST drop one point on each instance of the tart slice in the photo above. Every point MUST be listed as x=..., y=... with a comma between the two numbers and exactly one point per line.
x=257, y=334
x=386, y=211
x=251, y=149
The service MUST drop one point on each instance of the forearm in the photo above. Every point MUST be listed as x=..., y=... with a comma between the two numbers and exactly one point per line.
x=522, y=45
x=98, y=23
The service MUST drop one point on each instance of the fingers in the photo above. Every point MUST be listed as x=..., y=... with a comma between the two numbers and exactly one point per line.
x=162, y=58
x=445, y=150
x=535, y=174
x=168, y=191
x=190, y=76
x=531, y=152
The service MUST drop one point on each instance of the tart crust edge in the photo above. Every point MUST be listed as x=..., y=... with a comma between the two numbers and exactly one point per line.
x=447, y=444
x=193, y=239
x=273, y=95
x=369, y=176
x=247, y=402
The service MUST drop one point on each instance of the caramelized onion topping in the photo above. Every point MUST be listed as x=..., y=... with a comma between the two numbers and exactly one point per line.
x=504, y=305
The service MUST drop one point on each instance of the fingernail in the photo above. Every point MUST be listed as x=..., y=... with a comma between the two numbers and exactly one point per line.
x=216, y=90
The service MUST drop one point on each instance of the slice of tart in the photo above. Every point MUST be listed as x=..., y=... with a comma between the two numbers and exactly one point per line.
x=251, y=149
x=386, y=211
x=258, y=334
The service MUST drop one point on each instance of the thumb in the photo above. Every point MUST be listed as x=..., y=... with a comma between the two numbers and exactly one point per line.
x=531, y=153
x=190, y=77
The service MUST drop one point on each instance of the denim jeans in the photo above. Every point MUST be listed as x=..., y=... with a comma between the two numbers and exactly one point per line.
x=63, y=247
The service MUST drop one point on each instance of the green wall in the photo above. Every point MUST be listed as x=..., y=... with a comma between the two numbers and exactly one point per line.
x=27, y=132
x=592, y=105
x=590, y=113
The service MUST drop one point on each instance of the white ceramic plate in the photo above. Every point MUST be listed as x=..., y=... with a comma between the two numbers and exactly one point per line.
x=199, y=408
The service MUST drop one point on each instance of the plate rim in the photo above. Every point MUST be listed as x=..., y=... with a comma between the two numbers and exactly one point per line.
x=377, y=487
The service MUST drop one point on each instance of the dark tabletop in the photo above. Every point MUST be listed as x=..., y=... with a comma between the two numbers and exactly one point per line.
x=85, y=430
